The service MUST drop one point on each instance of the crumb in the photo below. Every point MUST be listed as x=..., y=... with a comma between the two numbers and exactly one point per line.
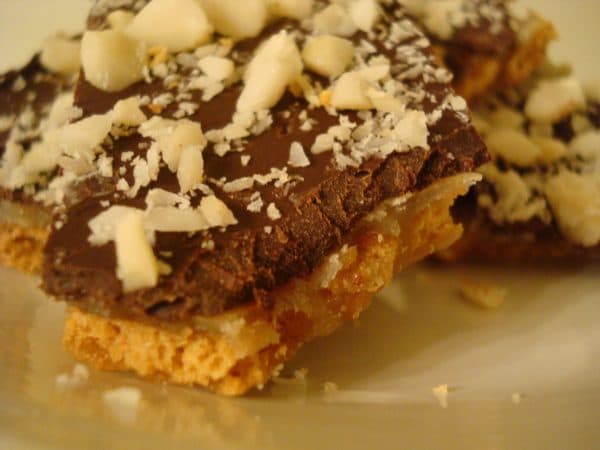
x=441, y=393
x=123, y=402
x=298, y=378
x=301, y=374
x=330, y=388
x=483, y=294
x=77, y=378
x=516, y=398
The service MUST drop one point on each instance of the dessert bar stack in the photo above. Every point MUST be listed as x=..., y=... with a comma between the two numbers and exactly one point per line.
x=218, y=188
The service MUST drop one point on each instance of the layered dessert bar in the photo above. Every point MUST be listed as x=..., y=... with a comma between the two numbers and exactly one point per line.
x=34, y=101
x=540, y=199
x=244, y=181
x=489, y=45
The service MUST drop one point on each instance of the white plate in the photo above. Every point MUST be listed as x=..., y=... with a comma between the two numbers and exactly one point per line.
x=543, y=344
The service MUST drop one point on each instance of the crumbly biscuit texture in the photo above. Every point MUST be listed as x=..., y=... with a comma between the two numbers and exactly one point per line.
x=21, y=246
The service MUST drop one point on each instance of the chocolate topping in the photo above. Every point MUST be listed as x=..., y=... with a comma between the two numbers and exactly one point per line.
x=215, y=271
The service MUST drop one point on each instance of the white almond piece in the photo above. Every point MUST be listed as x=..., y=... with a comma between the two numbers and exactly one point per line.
x=328, y=55
x=158, y=197
x=216, y=212
x=119, y=19
x=103, y=227
x=217, y=68
x=178, y=24
x=137, y=267
x=123, y=403
x=412, y=129
x=483, y=294
x=294, y=9
x=273, y=212
x=551, y=149
x=375, y=72
x=61, y=55
x=185, y=134
x=62, y=111
x=238, y=185
x=275, y=65
x=575, y=201
x=586, y=145
x=128, y=113
x=384, y=102
x=442, y=16
x=515, y=201
x=551, y=101
x=84, y=136
x=364, y=14
x=505, y=117
x=157, y=128
x=350, y=92
x=237, y=20
x=190, y=170
x=513, y=146
x=111, y=59
x=298, y=157
x=170, y=219
x=40, y=158
x=334, y=19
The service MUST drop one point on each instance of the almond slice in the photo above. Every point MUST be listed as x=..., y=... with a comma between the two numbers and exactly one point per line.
x=61, y=55
x=127, y=112
x=364, y=14
x=553, y=100
x=82, y=137
x=513, y=146
x=328, y=55
x=551, y=149
x=178, y=24
x=185, y=134
x=276, y=64
x=119, y=19
x=217, y=68
x=190, y=170
x=216, y=212
x=298, y=157
x=237, y=20
x=575, y=201
x=586, y=145
x=294, y=9
x=334, y=19
x=350, y=92
x=170, y=219
x=137, y=266
x=112, y=60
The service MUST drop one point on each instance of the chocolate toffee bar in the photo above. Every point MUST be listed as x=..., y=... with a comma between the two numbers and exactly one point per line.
x=540, y=199
x=34, y=101
x=246, y=182
x=489, y=45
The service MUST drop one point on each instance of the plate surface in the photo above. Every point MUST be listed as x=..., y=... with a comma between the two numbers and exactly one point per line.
x=542, y=344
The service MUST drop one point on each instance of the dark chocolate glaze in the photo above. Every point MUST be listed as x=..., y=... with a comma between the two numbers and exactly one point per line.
x=247, y=263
